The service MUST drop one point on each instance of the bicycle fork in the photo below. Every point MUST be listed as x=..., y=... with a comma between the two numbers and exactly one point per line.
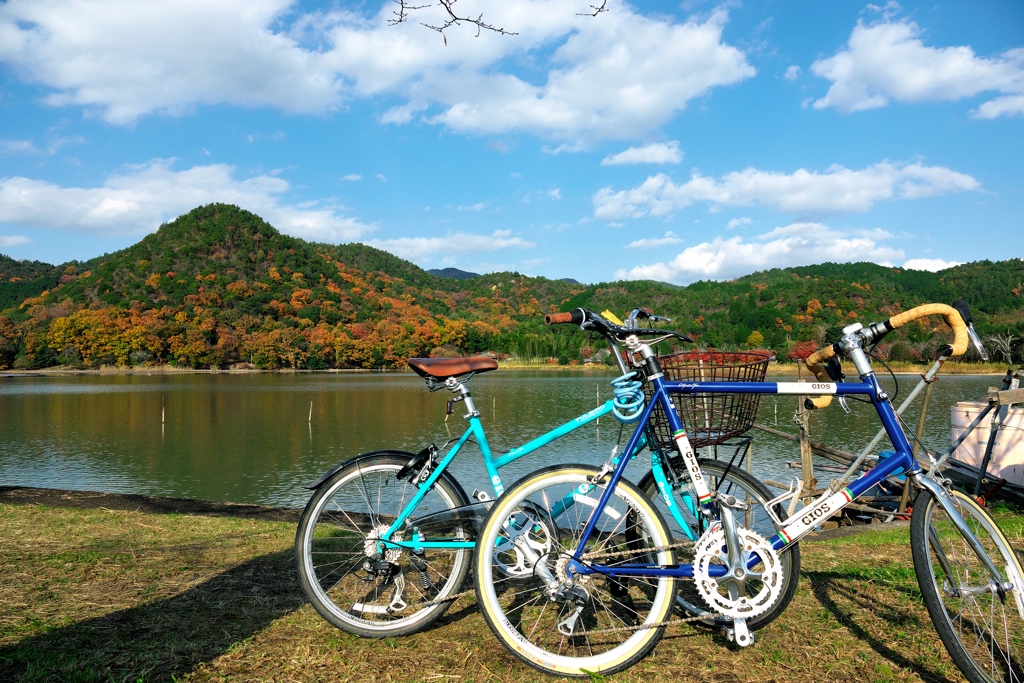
x=996, y=584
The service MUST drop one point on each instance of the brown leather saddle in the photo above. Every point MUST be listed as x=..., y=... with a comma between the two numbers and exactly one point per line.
x=443, y=368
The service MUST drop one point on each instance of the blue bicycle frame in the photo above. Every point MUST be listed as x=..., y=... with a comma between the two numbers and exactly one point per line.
x=796, y=527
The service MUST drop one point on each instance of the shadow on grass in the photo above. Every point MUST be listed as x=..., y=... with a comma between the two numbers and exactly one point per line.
x=852, y=603
x=165, y=639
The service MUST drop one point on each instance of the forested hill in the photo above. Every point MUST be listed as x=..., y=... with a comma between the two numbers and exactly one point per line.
x=220, y=286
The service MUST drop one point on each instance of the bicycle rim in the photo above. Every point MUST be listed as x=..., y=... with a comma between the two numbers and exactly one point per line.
x=343, y=579
x=982, y=631
x=518, y=607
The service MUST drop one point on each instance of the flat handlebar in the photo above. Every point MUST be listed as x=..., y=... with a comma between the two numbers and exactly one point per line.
x=606, y=328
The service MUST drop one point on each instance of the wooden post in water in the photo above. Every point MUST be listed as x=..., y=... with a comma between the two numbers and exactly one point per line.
x=806, y=464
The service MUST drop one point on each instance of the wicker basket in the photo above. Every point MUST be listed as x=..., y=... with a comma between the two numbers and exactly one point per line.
x=709, y=419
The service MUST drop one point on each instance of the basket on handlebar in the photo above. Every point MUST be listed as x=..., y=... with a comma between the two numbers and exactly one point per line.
x=709, y=419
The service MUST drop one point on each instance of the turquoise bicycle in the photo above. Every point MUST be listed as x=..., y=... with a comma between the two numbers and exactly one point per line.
x=385, y=543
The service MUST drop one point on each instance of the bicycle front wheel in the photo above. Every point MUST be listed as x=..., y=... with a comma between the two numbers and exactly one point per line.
x=981, y=626
x=347, y=580
x=688, y=522
x=554, y=621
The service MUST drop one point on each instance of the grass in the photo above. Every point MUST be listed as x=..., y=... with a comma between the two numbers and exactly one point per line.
x=112, y=595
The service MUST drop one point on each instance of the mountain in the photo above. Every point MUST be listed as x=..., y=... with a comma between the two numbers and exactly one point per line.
x=220, y=286
x=453, y=273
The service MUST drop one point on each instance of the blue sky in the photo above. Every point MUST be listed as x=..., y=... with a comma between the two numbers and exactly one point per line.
x=669, y=141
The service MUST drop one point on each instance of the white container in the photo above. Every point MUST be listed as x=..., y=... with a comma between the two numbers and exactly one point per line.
x=1007, y=460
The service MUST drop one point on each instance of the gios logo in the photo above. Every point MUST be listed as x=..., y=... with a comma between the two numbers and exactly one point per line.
x=814, y=515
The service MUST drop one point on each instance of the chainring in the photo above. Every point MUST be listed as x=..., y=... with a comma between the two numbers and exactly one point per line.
x=710, y=550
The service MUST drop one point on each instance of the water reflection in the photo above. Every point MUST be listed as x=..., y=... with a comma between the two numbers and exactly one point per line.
x=254, y=439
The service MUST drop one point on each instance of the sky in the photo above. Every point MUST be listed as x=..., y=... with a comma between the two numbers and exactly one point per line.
x=662, y=140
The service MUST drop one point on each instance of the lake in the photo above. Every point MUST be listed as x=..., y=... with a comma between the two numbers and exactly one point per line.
x=257, y=438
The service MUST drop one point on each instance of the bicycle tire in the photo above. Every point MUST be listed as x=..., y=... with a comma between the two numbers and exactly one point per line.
x=359, y=500
x=754, y=495
x=517, y=608
x=983, y=633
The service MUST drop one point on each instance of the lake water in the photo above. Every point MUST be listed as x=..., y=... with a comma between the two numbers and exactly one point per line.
x=250, y=438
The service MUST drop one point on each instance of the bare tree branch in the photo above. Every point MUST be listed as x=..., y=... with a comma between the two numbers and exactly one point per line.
x=402, y=13
x=603, y=7
x=404, y=8
x=1003, y=344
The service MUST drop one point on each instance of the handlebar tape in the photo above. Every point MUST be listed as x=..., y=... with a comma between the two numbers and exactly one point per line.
x=815, y=362
x=574, y=317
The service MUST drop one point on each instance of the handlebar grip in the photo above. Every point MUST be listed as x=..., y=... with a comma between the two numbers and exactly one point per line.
x=952, y=316
x=574, y=317
x=815, y=363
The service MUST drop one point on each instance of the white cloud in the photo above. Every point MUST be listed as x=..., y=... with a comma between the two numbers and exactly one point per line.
x=413, y=248
x=18, y=147
x=837, y=190
x=612, y=79
x=566, y=148
x=667, y=239
x=798, y=244
x=352, y=177
x=738, y=222
x=53, y=145
x=888, y=61
x=617, y=76
x=554, y=194
x=137, y=199
x=13, y=240
x=933, y=265
x=792, y=73
x=479, y=206
x=658, y=153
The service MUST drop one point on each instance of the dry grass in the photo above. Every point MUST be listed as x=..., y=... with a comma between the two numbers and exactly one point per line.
x=113, y=595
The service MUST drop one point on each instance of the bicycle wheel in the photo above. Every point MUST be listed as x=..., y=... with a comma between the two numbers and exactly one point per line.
x=590, y=624
x=346, y=581
x=754, y=496
x=982, y=630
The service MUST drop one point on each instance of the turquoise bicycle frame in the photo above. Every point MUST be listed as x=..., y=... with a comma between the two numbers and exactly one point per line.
x=492, y=465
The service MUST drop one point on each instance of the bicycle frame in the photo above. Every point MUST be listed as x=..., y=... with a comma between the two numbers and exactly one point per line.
x=803, y=521
x=492, y=465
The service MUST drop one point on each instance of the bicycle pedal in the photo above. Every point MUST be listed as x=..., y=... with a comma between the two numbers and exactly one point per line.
x=738, y=634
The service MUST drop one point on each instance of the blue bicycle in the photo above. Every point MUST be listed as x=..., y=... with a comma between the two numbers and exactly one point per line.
x=601, y=577
x=385, y=542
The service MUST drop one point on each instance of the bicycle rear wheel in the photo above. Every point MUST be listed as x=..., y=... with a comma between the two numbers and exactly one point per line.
x=593, y=623
x=353, y=588
x=754, y=497
x=983, y=630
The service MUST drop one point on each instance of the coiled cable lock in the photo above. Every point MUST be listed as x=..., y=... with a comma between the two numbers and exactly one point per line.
x=627, y=398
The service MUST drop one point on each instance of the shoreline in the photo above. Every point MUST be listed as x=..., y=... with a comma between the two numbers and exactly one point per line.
x=774, y=369
x=165, y=505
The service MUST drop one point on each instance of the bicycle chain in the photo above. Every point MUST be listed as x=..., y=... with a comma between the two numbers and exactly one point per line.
x=587, y=556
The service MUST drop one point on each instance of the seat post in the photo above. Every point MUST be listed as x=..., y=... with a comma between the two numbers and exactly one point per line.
x=457, y=386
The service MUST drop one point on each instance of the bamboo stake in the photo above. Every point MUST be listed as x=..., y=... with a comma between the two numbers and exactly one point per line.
x=807, y=464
